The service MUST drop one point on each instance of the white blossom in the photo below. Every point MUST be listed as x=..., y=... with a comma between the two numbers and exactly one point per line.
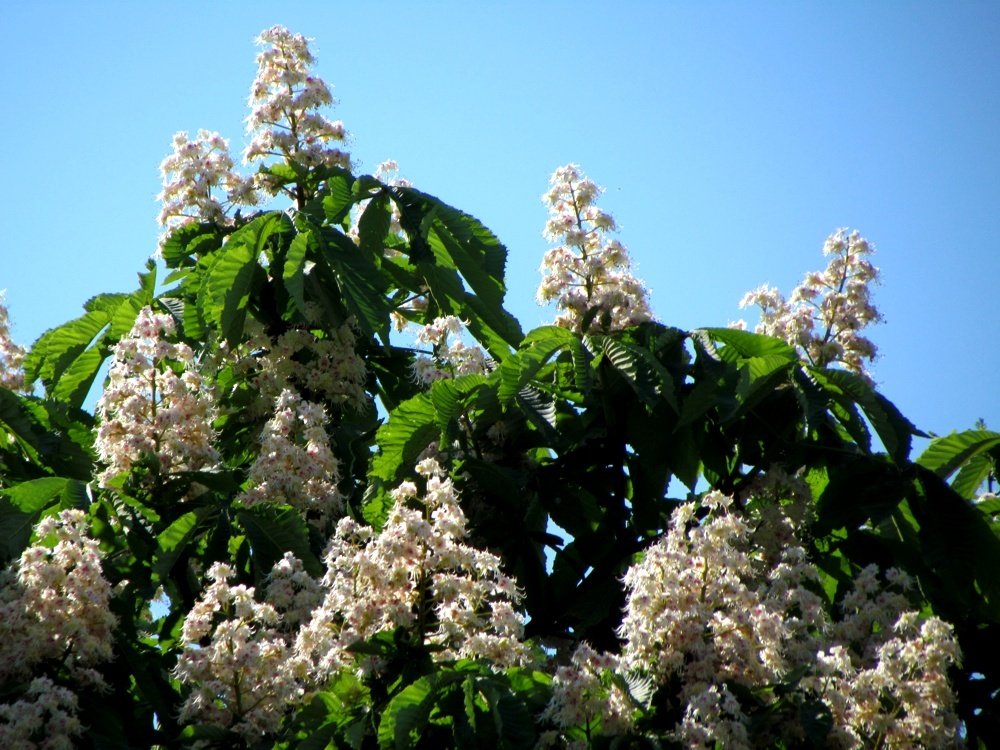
x=156, y=403
x=284, y=99
x=11, y=354
x=238, y=665
x=416, y=573
x=295, y=465
x=588, y=273
x=826, y=313
x=54, y=602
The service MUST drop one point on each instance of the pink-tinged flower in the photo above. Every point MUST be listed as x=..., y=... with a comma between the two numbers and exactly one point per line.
x=54, y=603
x=155, y=404
x=44, y=719
x=729, y=599
x=416, y=573
x=11, y=354
x=326, y=368
x=284, y=97
x=588, y=275
x=826, y=313
x=199, y=182
x=237, y=663
x=449, y=359
x=295, y=465
x=586, y=693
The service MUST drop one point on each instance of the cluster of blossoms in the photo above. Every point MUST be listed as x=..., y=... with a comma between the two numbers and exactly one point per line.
x=199, y=184
x=415, y=573
x=884, y=678
x=155, y=404
x=54, y=603
x=295, y=465
x=284, y=98
x=449, y=359
x=292, y=592
x=589, y=274
x=11, y=354
x=587, y=693
x=44, y=719
x=326, y=368
x=709, y=610
x=239, y=665
x=826, y=313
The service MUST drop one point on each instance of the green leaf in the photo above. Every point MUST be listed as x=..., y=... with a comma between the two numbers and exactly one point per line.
x=173, y=540
x=538, y=347
x=945, y=455
x=410, y=428
x=972, y=475
x=363, y=287
x=227, y=289
x=261, y=234
x=406, y=717
x=190, y=240
x=293, y=273
x=373, y=226
x=22, y=505
x=338, y=197
x=748, y=344
x=892, y=427
x=448, y=246
x=58, y=348
x=450, y=397
x=274, y=530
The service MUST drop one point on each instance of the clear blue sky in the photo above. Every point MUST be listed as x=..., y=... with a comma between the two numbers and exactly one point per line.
x=732, y=139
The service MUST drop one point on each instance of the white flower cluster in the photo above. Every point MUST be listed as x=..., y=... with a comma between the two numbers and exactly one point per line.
x=884, y=678
x=44, y=719
x=327, y=368
x=240, y=668
x=588, y=275
x=292, y=592
x=155, y=403
x=54, y=603
x=449, y=359
x=586, y=693
x=295, y=465
x=284, y=98
x=193, y=176
x=826, y=313
x=707, y=611
x=418, y=574
x=11, y=354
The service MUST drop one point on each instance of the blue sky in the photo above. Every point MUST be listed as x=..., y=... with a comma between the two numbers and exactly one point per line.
x=732, y=139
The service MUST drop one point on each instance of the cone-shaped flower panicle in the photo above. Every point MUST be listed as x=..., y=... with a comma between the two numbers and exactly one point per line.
x=156, y=403
x=826, y=313
x=285, y=97
x=588, y=275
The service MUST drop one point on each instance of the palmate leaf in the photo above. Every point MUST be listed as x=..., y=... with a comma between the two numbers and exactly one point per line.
x=274, y=530
x=226, y=290
x=68, y=358
x=894, y=430
x=650, y=380
x=22, y=505
x=945, y=455
x=293, y=272
x=171, y=542
x=411, y=427
x=363, y=287
x=448, y=247
x=538, y=347
x=746, y=344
